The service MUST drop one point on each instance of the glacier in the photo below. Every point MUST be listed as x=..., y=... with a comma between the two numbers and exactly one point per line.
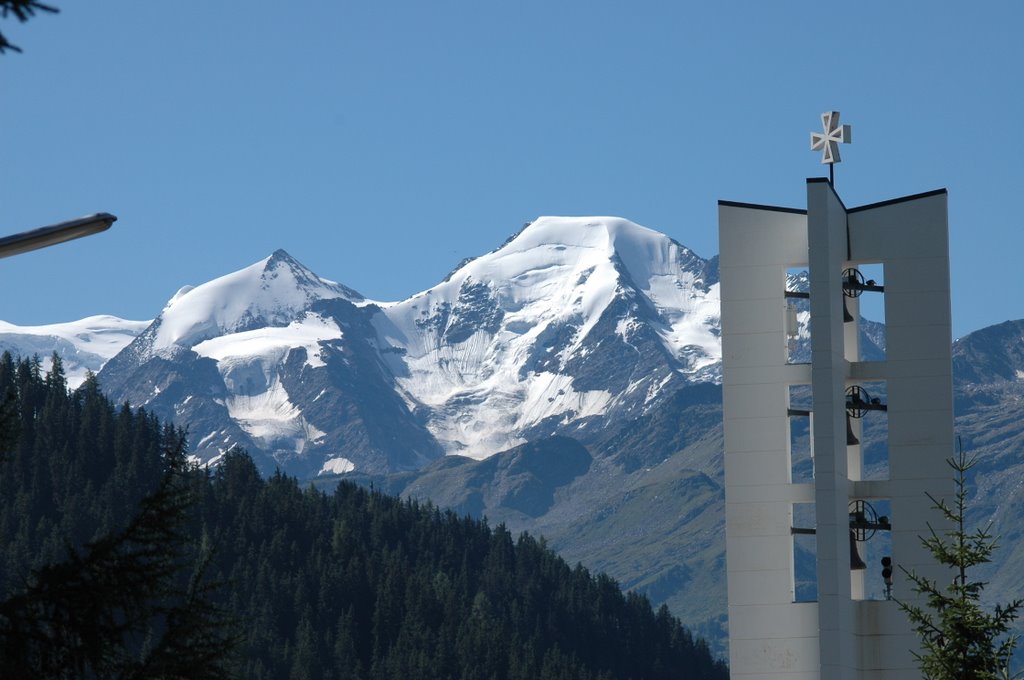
x=569, y=323
x=84, y=345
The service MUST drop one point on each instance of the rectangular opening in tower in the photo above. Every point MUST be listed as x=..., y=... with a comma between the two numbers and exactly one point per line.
x=867, y=421
x=873, y=542
x=864, y=296
x=801, y=457
x=805, y=553
x=798, y=316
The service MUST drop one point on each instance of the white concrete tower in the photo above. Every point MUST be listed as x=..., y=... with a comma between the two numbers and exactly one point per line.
x=839, y=634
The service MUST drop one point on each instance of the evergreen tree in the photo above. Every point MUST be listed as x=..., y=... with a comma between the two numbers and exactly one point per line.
x=349, y=586
x=8, y=407
x=960, y=640
x=23, y=10
x=119, y=605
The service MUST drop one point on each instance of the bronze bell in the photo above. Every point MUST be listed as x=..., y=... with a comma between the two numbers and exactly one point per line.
x=847, y=317
x=856, y=563
x=851, y=438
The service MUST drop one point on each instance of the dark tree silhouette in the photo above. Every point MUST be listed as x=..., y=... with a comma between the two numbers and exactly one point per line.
x=130, y=603
x=22, y=10
x=110, y=541
x=87, y=615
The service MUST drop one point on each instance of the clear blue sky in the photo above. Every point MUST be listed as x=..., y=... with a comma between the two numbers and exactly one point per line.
x=382, y=142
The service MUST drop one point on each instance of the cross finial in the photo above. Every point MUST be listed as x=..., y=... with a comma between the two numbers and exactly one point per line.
x=828, y=141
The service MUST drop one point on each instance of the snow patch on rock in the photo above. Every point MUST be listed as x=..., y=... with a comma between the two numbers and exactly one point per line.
x=271, y=344
x=272, y=419
x=337, y=466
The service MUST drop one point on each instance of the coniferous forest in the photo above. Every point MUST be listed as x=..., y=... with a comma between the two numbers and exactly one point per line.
x=120, y=560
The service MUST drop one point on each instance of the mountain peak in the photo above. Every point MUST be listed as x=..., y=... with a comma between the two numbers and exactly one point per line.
x=536, y=313
x=270, y=292
x=611, y=252
x=590, y=231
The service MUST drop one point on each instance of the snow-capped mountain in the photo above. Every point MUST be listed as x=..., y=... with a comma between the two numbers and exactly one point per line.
x=280, y=361
x=84, y=345
x=592, y=327
x=573, y=326
x=572, y=319
x=274, y=292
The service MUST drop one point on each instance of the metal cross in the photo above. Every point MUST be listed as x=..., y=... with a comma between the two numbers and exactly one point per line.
x=828, y=141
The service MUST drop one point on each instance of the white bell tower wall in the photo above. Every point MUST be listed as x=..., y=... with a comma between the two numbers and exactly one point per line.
x=842, y=635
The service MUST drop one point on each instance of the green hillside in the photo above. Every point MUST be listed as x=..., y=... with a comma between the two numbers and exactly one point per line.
x=356, y=584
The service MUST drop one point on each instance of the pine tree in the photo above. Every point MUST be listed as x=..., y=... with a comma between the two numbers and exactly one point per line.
x=355, y=585
x=960, y=640
x=85, y=592
x=23, y=10
x=84, y=616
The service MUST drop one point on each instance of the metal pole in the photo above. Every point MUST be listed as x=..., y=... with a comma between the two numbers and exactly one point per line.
x=26, y=241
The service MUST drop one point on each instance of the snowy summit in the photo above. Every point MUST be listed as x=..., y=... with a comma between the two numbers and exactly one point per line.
x=571, y=325
x=501, y=346
x=271, y=292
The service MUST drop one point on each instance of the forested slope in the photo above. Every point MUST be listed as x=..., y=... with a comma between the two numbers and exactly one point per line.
x=352, y=585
